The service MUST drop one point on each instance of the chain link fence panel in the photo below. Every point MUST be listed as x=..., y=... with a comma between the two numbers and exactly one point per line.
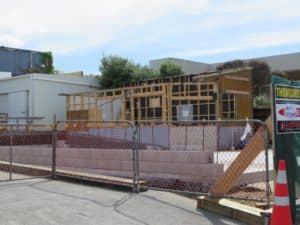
x=191, y=157
x=25, y=151
x=96, y=150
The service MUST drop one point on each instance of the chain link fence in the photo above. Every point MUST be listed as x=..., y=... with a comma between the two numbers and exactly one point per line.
x=25, y=151
x=191, y=157
x=96, y=150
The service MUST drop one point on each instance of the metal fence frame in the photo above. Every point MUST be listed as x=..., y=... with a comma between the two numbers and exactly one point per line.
x=206, y=122
x=135, y=177
x=136, y=185
x=12, y=132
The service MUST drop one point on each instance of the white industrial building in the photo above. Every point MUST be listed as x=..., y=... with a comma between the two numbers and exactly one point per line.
x=37, y=95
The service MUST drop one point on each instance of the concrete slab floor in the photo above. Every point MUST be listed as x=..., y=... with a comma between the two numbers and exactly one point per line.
x=55, y=202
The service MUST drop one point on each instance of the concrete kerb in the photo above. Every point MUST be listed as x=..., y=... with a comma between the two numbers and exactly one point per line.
x=234, y=210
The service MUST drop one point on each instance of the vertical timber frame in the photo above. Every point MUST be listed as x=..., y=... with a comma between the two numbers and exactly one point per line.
x=158, y=99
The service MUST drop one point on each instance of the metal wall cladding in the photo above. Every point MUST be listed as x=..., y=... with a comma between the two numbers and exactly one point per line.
x=17, y=61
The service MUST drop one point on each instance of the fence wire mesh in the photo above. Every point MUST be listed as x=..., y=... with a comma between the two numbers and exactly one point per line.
x=217, y=158
x=25, y=151
x=96, y=150
x=192, y=157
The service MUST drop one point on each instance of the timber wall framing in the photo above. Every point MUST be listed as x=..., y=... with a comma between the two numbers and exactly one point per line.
x=222, y=95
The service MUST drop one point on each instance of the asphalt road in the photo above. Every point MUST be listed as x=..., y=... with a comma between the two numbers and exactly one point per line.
x=43, y=202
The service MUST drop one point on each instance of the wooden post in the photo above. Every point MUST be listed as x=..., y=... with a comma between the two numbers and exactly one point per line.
x=89, y=102
x=131, y=106
x=81, y=102
x=164, y=103
x=112, y=109
x=139, y=108
x=170, y=106
x=68, y=103
x=123, y=104
x=74, y=102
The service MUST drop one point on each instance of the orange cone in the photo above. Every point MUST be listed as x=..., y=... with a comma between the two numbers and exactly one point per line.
x=281, y=214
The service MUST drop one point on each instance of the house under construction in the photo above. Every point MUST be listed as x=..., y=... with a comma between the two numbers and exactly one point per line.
x=216, y=95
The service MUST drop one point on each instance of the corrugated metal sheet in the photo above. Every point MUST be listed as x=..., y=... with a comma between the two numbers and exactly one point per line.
x=17, y=61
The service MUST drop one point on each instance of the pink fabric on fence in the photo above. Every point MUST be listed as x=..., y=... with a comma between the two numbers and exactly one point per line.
x=172, y=164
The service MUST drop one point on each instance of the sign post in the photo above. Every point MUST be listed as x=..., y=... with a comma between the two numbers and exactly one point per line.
x=286, y=138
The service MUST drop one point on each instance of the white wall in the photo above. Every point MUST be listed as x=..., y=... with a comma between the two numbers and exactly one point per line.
x=14, y=104
x=42, y=92
x=47, y=101
x=3, y=103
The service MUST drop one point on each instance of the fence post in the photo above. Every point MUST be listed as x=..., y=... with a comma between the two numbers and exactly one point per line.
x=135, y=159
x=10, y=154
x=185, y=137
x=203, y=137
x=54, y=142
x=265, y=133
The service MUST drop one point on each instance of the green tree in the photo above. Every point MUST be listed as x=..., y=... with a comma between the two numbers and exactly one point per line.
x=118, y=71
x=141, y=73
x=261, y=74
x=261, y=77
x=169, y=69
x=46, y=61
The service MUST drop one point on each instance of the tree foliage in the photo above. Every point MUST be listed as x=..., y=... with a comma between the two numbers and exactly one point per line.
x=118, y=71
x=143, y=73
x=169, y=69
x=232, y=65
x=46, y=65
x=261, y=73
x=47, y=62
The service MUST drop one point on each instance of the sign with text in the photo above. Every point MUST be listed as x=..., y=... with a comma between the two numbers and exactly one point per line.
x=287, y=108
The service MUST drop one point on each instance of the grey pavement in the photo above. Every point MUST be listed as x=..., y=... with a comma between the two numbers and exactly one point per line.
x=43, y=202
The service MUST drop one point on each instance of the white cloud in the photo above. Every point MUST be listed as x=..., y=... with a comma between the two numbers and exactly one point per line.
x=67, y=26
x=257, y=41
x=9, y=40
x=75, y=24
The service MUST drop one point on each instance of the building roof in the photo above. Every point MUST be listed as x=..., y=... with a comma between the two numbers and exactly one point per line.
x=72, y=79
x=18, y=49
x=282, y=62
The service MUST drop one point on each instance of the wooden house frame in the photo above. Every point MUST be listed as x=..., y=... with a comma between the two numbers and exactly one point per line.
x=218, y=95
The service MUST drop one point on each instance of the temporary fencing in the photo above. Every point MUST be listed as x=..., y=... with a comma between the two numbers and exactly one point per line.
x=192, y=156
x=217, y=158
x=25, y=151
x=96, y=150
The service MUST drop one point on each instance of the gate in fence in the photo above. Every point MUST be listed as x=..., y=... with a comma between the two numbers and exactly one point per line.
x=25, y=151
x=190, y=157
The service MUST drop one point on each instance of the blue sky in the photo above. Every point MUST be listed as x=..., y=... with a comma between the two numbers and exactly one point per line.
x=80, y=32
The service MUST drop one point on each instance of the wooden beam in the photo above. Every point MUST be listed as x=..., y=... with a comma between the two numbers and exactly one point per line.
x=151, y=94
x=81, y=103
x=164, y=103
x=192, y=98
x=74, y=102
x=240, y=164
x=68, y=103
x=123, y=105
x=132, y=107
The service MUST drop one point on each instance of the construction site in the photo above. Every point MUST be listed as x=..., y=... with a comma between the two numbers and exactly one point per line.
x=210, y=96
x=184, y=134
